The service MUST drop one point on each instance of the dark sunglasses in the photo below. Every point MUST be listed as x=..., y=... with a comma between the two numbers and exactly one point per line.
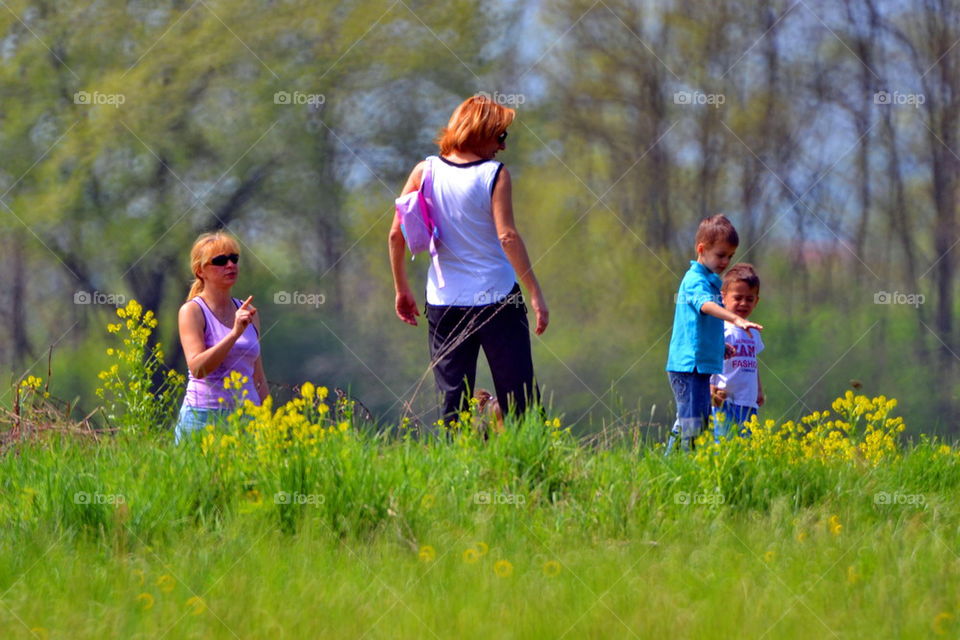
x=221, y=260
x=502, y=137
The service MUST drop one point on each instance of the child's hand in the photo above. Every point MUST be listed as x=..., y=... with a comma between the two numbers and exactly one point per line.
x=745, y=324
x=729, y=351
x=760, y=398
x=718, y=396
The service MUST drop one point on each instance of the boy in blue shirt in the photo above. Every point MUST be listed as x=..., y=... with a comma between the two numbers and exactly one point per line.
x=696, y=346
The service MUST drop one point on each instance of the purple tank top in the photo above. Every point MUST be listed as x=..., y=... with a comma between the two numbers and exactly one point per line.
x=206, y=393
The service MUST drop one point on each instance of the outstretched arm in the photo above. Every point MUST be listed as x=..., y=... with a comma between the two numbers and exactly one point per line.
x=715, y=310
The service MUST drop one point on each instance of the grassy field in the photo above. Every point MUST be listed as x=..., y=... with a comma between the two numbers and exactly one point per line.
x=304, y=520
x=299, y=521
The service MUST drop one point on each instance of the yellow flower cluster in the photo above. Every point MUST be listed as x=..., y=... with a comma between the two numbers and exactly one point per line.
x=862, y=431
x=262, y=435
x=127, y=385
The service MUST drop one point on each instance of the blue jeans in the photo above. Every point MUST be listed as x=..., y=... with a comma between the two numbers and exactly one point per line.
x=729, y=417
x=192, y=420
x=692, y=393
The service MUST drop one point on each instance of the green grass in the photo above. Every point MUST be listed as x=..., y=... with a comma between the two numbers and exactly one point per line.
x=611, y=541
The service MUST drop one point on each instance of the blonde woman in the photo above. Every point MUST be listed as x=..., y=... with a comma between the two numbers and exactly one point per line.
x=477, y=303
x=219, y=334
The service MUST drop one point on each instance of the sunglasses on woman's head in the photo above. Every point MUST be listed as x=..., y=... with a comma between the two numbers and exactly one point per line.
x=221, y=260
x=502, y=137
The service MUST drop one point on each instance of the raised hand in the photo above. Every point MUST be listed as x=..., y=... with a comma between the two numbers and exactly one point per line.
x=244, y=316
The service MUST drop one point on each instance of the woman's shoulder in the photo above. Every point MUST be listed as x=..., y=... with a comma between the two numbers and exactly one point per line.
x=191, y=309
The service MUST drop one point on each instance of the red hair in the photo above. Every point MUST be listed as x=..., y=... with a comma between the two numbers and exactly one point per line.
x=476, y=122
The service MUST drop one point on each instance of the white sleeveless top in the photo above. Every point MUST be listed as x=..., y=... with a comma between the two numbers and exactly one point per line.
x=475, y=269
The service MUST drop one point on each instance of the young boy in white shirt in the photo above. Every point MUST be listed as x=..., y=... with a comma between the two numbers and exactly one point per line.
x=737, y=393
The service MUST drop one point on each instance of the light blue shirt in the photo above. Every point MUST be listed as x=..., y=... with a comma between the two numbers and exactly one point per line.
x=697, y=340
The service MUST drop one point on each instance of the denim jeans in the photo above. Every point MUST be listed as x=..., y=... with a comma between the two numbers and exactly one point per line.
x=193, y=419
x=730, y=417
x=691, y=390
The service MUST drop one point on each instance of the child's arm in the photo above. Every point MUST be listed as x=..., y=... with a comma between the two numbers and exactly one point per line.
x=717, y=395
x=760, y=396
x=715, y=310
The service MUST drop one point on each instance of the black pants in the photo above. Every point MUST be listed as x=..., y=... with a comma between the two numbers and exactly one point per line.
x=456, y=336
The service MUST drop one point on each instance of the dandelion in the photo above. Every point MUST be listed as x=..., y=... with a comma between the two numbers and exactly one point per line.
x=427, y=501
x=551, y=568
x=197, y=604
x=801, y=536
x=482, y=548
x=165, y=583
x=769, y=556
x=307, y=390
x=427, y=554
x=834, y=525
x=503, y=568
x=141, y=575
x=146, y=601
x=471, y=556
x=940, y=621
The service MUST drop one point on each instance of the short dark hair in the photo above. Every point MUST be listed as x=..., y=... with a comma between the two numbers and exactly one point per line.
x=741, y=272
x=717, y=228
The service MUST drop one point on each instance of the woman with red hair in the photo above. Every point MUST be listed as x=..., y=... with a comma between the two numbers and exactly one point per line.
x=474, y=299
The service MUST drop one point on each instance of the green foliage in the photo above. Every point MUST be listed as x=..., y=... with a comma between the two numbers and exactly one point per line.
x=132, y=399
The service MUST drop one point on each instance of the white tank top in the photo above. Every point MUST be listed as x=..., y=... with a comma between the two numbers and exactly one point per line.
x=475, y=269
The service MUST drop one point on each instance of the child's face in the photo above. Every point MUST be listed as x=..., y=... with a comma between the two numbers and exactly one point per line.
x=716, y=257
x=740, y=299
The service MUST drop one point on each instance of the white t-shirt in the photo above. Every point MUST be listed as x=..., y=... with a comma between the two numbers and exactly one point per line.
x=475, y=269
x=739, y=375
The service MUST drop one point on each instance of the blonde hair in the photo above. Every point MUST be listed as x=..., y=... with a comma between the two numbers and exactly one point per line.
x=207, y=246
x=476, y=122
